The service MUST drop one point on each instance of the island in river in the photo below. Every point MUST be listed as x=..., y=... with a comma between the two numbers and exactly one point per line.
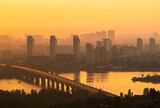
x=152, y=79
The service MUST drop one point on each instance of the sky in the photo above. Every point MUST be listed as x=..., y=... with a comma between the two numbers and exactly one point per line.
x=65, y=17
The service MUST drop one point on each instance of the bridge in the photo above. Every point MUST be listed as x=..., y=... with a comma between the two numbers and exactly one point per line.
x=40, y=77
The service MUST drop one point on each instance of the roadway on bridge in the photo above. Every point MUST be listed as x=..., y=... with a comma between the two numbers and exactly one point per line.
x=60, y=79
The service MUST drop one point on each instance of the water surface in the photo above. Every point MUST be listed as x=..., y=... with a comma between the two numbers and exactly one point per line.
x=13, y=84
x=114, y=82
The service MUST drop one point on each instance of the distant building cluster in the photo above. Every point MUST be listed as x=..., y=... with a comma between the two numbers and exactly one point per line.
x=93, y=37
x=98, y=48
x=57, y=53
x=93, y=55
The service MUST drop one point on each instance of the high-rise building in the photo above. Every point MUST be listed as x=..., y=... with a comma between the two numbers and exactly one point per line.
x=107, y=44
x=131, y=50
x=93, y=37
x=53, y=46
x=139, y=46
x=64, y=49
x=111, y=36
x=76, y=47
x=99, y=55
x=99, y=44
x=30, y=46
x=89, y=53
x=115, y=51
x=152, y=46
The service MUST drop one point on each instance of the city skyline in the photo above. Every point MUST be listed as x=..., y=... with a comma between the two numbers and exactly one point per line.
x=79, y=54
x=85, y=38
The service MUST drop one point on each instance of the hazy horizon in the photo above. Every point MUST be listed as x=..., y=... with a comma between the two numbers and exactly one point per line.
x=20, y=33
x=63, y=18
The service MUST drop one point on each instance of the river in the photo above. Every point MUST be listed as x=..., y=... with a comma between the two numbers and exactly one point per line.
x=114, y=82
x=13, y=84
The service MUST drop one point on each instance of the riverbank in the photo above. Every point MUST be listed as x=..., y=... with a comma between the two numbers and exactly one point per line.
x=148, y=78
x=91, y=69
x=61, y=68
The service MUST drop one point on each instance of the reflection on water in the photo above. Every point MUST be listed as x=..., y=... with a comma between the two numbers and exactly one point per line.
x=13, y=84
x=114, y=82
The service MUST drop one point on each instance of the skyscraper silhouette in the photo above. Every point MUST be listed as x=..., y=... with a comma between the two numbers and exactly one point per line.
x=152, y=46
x=107, y=44
x=53, y=46
x=30, y=46
x=89, y=53
x=76, y=47
x=139, y=46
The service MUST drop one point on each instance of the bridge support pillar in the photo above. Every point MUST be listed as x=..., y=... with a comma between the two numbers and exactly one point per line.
x=67, y=88
x=62, y=87
x=52, y=84
x=57, y=85
x=31, y=80
x=43, y=82
x=73, y=90
x=23, y=77
x=48, y=83
x=37, y=81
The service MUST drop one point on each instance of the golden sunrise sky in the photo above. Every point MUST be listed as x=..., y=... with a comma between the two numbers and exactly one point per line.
x=64, y=17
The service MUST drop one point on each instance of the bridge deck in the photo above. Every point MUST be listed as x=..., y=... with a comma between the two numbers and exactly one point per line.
x=61, y=79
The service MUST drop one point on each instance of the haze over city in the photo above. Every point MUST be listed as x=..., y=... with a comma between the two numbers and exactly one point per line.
x=79, y=54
